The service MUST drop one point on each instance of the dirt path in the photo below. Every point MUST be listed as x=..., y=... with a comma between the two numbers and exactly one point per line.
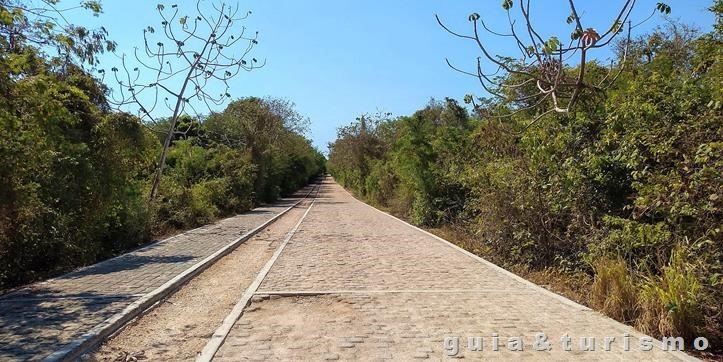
x=179, y=327
x=52, y=318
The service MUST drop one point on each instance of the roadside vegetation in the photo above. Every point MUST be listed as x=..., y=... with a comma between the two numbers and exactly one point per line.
x=622, y=194
x=76, y=175
x=613, y=191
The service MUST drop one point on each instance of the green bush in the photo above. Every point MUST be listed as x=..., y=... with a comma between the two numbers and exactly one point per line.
x=72, y=185
x=75, y=178
x=612, y=190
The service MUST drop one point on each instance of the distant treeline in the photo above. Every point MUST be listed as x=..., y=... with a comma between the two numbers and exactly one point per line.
x=626, y=190
x=75, y=176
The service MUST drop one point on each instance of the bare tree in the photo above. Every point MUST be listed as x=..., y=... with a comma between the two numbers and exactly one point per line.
x=556, y=72
x=193, y=56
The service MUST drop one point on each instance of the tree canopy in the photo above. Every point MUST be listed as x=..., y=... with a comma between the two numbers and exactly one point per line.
x=621, y=196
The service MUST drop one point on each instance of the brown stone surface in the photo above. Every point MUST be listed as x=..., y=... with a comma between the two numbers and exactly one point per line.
x=352, y=284
x=387, y=291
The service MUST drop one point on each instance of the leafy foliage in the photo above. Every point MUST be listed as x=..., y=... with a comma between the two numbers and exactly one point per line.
x=72, y=174
x=626, y=189
x=44, y=25
x=75, y=177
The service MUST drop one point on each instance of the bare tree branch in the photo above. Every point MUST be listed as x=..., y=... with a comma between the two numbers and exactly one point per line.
x=558, y=72
x=191, y=57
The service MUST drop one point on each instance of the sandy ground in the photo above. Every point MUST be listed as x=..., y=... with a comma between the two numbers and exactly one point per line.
x=42, y=318
x=354, y=284
x=179, y=328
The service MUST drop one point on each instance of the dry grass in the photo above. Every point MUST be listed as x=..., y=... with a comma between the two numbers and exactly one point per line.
x=671, y=304
x=574, y=286
x=613, y=292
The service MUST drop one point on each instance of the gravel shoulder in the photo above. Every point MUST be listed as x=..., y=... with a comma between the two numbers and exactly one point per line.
x=180, y=326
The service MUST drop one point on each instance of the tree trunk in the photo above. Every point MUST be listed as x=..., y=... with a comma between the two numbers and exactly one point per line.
x=162, y=160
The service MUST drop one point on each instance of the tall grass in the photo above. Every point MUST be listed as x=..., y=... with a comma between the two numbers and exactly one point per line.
x=672, y=301
x=614, y=291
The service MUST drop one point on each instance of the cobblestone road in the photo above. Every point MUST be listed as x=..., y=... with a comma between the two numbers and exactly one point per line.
x=354, y=283
x=40, y=319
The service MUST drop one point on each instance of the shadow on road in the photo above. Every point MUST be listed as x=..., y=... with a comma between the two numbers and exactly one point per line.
x=35, y=323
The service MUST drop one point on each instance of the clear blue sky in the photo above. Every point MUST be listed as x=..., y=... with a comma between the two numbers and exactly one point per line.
x=338, y=59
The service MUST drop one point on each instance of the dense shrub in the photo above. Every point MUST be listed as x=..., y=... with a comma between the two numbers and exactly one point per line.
x=75, y=176
x=72, y=177
x=626, y=189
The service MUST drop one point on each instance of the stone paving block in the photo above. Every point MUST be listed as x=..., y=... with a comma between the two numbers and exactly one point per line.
x=41, y=318
x=374, y=288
